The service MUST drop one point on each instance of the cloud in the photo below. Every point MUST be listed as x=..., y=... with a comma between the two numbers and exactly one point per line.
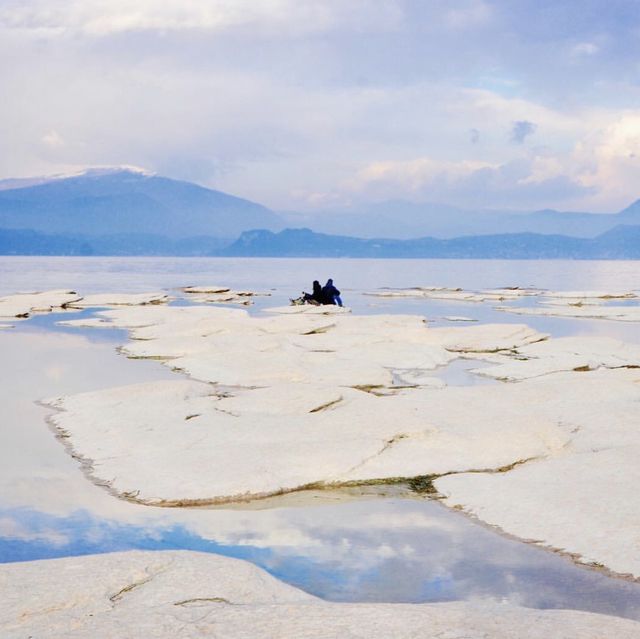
x=52, y=139
x=469, y=14
x=468, y=183
x=521, y=130
x=285, y=101
x=104, y=17
x=585, y=49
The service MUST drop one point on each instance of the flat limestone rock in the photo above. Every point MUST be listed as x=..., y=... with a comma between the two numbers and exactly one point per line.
x=456, y=294
x=229, y=347
x=603, y=295
x=578, y=354
x=256, y=442
x=219, y=295
x=24, y=304
x=120, y=299
x=205, y=289
x=309, y=309
x=181, y=594
x=487, y=338
x=586, y=311
x=288, y=401
x=583, y=498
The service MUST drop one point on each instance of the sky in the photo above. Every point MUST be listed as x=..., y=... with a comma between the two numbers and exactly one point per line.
x=323, y=104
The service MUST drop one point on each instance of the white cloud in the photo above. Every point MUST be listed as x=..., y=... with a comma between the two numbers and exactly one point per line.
x=12, y=529
x=585, y=49
x=52, y=139
x=104, y=17
x=469, y=14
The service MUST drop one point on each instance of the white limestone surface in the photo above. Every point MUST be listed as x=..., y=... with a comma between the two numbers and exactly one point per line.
x=205, y=289
x=289, y=401
x=261, y=442
x=120, y=299
x=180, y=594
x=487, y=338
x=604, y=295
x=583, y=499
x=227, y=346
x=309, y=309
x=457, y=294
x=588, y=311
x=577, y=354
x=24, y=304
x=219, y=295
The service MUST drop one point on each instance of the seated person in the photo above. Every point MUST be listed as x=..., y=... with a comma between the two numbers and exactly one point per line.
x=316, y=296
x=330, y=294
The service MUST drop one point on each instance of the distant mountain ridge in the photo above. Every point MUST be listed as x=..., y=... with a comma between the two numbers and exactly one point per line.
x=101, y=202
x=397, y=219
x=128, y=211
x=623, y=242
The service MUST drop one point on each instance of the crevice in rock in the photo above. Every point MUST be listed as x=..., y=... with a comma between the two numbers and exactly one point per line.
x=196, y=600
x=320, y=330
x=326, y=406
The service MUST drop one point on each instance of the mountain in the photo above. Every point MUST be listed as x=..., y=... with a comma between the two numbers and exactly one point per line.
x=25, y=242
x=623, y=242
x=125, y=211
x=399, y=219
x=116, y=201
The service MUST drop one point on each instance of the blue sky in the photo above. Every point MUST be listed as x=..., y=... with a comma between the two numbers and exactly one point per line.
x=312, y=104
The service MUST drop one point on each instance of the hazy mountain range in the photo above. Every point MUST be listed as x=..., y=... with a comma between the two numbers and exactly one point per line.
x=121, y=211
x=116, y=201
x=622, y=242
x=397, y=219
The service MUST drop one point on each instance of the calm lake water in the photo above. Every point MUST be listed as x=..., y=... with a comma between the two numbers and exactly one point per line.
x=380, y=546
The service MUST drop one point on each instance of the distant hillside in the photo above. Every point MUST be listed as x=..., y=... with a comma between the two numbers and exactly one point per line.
x=27, y=242
x=21, y=242
x=116, y=201
x=124, y=211
x=623, y=242
x=398, y=219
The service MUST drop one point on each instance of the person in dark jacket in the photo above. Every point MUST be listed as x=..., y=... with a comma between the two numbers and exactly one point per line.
x=316, y=296
x=330, y=294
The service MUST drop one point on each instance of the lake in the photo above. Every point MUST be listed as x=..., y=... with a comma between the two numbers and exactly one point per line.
x=381, y=544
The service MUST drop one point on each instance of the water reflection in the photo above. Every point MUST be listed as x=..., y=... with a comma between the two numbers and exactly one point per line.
x=379, y=551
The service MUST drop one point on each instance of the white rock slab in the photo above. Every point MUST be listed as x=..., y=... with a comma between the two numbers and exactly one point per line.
x=305, y=410
x=24, y=304
x=563, y=354
x=459, y=318
x=219, y=295
x=205, y=289
x=173, y=594
x=604, y=295
x=309, y=309
x=264, y=441
x=582, y=499
x=120, y=299
x=588, y=311
x=456, y=294
x=486, y=338
x=229, y=347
